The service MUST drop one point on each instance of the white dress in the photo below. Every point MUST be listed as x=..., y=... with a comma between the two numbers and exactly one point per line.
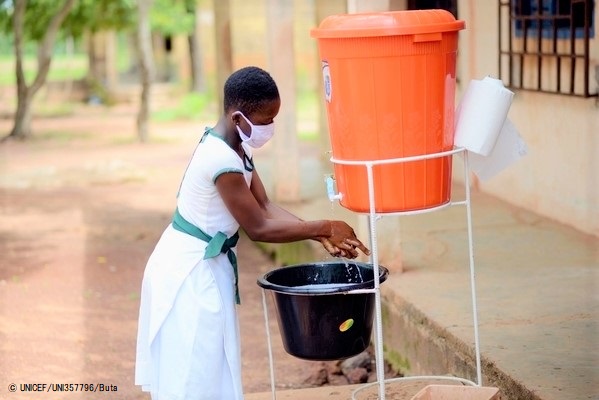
x=188, y=335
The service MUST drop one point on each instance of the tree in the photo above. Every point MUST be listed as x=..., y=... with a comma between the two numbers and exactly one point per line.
x=25, y=92
x=41, y=22
x=144, y=46
x=169, y=19
x=96, y=21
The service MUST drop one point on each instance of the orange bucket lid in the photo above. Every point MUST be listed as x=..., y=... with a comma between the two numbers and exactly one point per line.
x=390, y=23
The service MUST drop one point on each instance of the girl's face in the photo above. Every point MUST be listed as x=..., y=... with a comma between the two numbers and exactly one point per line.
x=257, y=128
x=265, y=114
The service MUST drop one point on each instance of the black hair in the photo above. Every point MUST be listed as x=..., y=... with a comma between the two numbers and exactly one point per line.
x=248, y=89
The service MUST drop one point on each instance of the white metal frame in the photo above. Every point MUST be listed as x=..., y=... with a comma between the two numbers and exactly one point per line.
x=373, y=216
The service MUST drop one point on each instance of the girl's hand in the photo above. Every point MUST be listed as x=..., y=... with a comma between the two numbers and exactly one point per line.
x=343, y=242
x=331, y=249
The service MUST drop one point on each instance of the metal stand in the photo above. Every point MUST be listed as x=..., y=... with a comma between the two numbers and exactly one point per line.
x=373, y=216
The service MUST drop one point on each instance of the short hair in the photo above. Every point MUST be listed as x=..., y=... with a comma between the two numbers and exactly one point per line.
x=248, y=89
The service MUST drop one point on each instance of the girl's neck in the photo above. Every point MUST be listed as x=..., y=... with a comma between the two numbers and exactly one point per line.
x=227, y=131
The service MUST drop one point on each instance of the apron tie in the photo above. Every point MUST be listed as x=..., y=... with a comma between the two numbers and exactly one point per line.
x=216, y=245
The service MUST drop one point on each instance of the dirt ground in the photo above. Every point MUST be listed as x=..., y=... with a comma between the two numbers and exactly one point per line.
x=82, y=205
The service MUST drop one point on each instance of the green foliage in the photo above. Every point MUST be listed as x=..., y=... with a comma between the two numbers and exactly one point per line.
x=171, y=17
x=168, y=17
x=98, y=15
x=5, y=15
x=37, y=16
x=86, y=16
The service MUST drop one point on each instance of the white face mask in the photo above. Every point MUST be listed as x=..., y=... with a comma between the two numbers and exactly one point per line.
x=259, y=135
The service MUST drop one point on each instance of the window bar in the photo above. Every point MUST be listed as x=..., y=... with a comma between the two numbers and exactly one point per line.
x=510, y=46
x=524, y=47
x=511, y=55
x=572, y=49
x=587, y=11
x=558, y=58
x=540, y=22
x=500, y=7
x=499, y=43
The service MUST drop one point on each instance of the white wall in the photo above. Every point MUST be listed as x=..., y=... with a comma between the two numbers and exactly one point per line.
x=559, y=178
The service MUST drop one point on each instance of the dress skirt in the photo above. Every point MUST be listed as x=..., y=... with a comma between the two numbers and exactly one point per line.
x=188, y=335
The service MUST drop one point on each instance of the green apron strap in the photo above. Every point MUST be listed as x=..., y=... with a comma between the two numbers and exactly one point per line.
x=216, y=245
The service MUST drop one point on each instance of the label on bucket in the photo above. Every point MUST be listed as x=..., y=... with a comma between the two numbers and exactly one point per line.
x=326, y=76
x=345, y=325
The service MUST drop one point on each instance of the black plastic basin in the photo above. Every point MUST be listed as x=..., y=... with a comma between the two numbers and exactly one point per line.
x=317, y=318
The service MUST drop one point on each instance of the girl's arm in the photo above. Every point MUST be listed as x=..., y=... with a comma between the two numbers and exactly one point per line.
x=266, y=222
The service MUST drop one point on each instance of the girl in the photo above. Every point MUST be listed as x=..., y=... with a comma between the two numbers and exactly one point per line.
x=188, y=338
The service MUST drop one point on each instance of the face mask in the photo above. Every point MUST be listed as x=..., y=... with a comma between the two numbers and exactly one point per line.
x=259, y=135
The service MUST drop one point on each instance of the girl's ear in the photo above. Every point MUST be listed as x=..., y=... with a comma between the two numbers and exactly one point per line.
x=235, y=117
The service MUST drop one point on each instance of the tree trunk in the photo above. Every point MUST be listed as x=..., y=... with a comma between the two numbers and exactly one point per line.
x=146, y=67
x=282, y=67
x=195, y=53
x=22, y=125
x=19, y=131
x=224, y=47
x=101, y=76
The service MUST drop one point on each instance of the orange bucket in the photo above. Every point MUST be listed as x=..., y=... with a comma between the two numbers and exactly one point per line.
x=389, y=81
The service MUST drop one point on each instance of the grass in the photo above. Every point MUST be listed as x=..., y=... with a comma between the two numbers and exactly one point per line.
x=62, y=68
x=61, y=136
x=190, y=106
x=53, y=109
x=45, y=109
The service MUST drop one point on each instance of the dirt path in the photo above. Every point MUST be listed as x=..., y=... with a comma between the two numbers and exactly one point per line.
x=81, y=207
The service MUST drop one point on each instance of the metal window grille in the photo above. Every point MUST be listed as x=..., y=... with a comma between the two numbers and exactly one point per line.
x=544, y=46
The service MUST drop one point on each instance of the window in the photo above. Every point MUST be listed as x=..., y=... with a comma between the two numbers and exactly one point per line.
x=544, y=46
x=553, y=17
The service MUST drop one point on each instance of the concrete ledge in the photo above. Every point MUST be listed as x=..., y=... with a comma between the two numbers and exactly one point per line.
x=417, y=345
